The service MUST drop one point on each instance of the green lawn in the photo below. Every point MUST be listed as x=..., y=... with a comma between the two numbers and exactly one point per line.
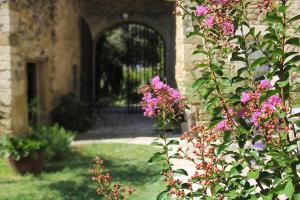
x=70, y=178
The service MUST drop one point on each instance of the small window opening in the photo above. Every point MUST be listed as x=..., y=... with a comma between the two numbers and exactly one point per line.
x=32, y=94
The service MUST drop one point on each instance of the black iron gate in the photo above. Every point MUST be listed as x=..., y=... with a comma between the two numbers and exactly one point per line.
x=127, y=57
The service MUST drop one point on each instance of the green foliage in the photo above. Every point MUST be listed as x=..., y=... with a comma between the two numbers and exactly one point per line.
x=72, y=114
x=58, y=141
x=21, y=146
x=70, y=178
x=276, y=167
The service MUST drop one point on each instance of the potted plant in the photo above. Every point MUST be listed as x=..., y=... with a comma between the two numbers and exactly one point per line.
x=24, y=153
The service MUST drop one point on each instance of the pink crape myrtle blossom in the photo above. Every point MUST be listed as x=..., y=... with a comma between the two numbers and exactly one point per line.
x=209, y=22
x=226, y=125
x=275, y=100
x=265, y=84
x=223, y=126
x=175, y=94
x=268, y=108
x=201, y=10
x=243, y=113
x=156, y=83
x=228, y=28
x=151, y=108
x=158, y=97
x=151, y=104
x=255, y=117
x=245, y=97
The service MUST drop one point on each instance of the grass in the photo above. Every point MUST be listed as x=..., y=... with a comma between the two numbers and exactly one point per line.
x=70, y=178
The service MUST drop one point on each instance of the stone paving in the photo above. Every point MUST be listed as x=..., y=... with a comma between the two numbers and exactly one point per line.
x=117, y=123
x=116, y=126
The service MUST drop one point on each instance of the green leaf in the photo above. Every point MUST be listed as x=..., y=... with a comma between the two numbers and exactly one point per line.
x=219, y=72
x=289, y=189
x=200, y=82
x=180, y=171
x=198, y=51
x=259, y=61
x=175, y=155
x=291, y=147
x=282, y=83
x=293, y=41
x=268, y=197
x=156, y=157
x=232, y=194
x=156, y=144
x=297, y=17
x=296, y=196
x=236, y=57
x=294, y=59
x=163, y=195
x=282, y=9
x=173, y=142
x=212, y=103
x=227, y=136
x=288, y=54
x=201, y=65
x=158, y=178
x=241, y=70
x=273, y=17
x=185, y=186
x=253, y=174
x=237, y=79
x=271, y=37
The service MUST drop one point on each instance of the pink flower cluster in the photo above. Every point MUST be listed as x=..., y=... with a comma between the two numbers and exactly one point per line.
x=265, y=5
x=228, y=28
x=216, y=13
x=228, y=123
x=152, y=104
x=262, y=115
x=201, y=10
x=251, y=102
x=159, y=96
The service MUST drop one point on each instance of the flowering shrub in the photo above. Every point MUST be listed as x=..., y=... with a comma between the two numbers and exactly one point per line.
x=250, y=148
x=104, y=183
x=163, y=102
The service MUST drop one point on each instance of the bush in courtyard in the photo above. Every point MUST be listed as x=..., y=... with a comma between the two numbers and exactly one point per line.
x=72, y=114
x=249, y=150
x=58, y=141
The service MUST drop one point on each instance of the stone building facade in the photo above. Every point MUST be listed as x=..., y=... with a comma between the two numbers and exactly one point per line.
x=49, y=34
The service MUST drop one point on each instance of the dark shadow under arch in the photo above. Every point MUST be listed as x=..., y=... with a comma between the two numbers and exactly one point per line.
x=86, y=71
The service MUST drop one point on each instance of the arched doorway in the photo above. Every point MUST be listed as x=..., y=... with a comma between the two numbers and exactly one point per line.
x=126, y=57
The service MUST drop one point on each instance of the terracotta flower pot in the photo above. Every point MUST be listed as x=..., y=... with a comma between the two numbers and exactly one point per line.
x=32, y=163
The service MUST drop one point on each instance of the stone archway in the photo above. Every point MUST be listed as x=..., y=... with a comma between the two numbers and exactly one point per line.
x=127, y=56
x=102, y=15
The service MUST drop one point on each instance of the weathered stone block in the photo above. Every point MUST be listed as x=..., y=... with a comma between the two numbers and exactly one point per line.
x=5, y=84
x=5, y=75
x=4, y=39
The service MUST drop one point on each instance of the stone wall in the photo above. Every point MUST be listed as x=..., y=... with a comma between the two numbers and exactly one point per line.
x=46, y=33
x=5, y=67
